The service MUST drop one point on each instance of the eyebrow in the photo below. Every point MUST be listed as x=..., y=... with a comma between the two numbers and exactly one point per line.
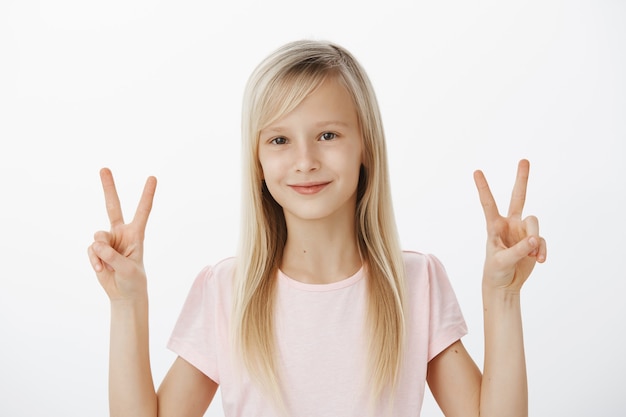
x=332, y=123
x=280, y=129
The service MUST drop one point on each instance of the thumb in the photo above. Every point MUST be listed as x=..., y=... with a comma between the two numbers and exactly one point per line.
x=108, y=255
x=525, y=247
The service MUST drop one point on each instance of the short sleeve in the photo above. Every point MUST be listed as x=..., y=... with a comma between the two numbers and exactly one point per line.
x=447, y=324
x=194, y=337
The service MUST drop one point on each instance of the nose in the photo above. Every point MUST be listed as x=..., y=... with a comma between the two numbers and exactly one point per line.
x=306, y=158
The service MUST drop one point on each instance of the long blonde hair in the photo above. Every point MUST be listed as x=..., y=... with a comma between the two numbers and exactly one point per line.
x=275, y=88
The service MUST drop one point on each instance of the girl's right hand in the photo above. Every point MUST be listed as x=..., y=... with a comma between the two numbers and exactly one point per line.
x=117, y=255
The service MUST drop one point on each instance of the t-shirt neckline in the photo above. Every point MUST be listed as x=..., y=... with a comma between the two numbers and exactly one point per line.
x=346, y=282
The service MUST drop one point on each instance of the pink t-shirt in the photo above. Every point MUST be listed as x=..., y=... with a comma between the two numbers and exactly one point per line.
x=322, y=341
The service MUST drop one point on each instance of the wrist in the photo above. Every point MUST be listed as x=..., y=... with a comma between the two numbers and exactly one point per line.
x=498, y=303
x=130, y=305
x=496, y=292
x=129, y=318
x=500, y=286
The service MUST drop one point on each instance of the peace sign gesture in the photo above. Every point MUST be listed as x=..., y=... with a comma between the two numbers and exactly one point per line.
x=513, y=243
x=117, y=255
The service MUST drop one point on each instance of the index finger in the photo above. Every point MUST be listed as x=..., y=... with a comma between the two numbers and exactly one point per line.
x=145, y=203
x=486, y=198
x=111, y=199
x=518, y=197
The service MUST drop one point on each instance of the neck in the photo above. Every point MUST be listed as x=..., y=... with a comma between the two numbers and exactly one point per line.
x=321, y=251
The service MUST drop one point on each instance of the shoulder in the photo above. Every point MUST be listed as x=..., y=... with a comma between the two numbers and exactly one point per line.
x=423, y=272
x=216, y=276
x=417, y=261
x=223, y=268
x=219, y=270
x=431, y=296
x=211, y=287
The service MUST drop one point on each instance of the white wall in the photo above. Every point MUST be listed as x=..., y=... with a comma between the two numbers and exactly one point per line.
x=154, y=88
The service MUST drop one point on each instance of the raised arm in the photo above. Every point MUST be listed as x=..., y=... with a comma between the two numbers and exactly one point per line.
x=513, y=248
x=117, y=258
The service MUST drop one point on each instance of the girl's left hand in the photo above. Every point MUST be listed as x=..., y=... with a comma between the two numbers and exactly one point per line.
x=513, y=244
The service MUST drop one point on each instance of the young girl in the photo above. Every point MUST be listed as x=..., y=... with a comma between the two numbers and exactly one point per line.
x=320, y=313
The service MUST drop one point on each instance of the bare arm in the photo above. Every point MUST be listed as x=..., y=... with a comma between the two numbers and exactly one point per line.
x=185, y=391
x=117, y=258
x=513, y=248
x=504, y=386
x=131, y=389
x=454, y=380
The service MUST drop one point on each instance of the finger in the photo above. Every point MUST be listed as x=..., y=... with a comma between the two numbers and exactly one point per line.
x=486, y=198
x=542, y=252
x=145, y=203
x=96, y=263
x=531, y=228
x=518, y=197
x=112, y=201
x=521, y=249
x=531, y=224
x=108, y=255
x=102, y=236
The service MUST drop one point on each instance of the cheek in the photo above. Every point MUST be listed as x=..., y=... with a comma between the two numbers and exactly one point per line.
x=271, y=173
x=265, y=166
x=272, y=188
x=357, y=164
x=265, y=170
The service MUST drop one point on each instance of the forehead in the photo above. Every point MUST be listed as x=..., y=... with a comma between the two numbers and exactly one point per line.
x=329, y=103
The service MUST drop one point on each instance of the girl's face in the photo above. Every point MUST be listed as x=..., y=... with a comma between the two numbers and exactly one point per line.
x=311, y=157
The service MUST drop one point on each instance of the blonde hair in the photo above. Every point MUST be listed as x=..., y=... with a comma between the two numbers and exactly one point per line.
x=276, y=87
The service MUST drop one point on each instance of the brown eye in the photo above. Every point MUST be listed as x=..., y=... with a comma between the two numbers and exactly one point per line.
x=328, y=136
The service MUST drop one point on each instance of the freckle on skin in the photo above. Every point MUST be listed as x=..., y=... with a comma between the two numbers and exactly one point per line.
x=456, y=351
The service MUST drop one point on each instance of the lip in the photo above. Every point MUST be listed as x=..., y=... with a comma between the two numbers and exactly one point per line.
x=309, y=188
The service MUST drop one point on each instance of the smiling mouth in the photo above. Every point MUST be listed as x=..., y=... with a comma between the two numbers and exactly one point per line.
x=309, y=189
